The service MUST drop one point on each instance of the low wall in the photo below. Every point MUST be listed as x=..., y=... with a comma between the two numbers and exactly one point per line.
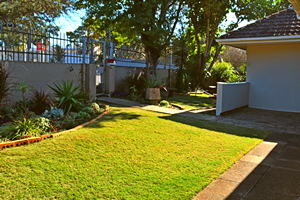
x=39, y=75
x=231, y=96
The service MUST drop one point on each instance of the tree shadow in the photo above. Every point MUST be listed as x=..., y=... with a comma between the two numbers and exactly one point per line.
x=114, y=117
x=219, y=127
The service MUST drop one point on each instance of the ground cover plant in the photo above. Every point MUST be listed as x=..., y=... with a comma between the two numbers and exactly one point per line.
x=127, y=154
x=193, y=101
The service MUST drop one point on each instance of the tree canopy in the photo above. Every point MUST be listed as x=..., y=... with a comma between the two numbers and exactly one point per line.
x=33, y=12
x=153, y=24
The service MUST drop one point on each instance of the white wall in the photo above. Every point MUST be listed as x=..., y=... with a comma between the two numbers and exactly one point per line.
x=231, y=96
x=274, y=75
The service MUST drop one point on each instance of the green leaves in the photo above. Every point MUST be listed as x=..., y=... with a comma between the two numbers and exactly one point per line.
x=69, y=97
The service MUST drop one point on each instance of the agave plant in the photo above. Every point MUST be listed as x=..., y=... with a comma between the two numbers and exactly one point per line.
x=69, y=96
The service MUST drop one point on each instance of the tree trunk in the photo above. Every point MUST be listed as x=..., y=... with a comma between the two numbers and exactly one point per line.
x=152, y=57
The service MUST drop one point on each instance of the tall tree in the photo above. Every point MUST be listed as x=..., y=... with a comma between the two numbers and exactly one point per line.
x=151, y=23
x=205, y=19
x=33, y=12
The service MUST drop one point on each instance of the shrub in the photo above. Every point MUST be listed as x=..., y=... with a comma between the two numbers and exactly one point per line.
x=82, y=116
x=8, y=114
x=55, y=113
x=40, y=102
x=136, y=79
x=19, y=129
x=88, y=110
x=43, y=124
x=164, y=103
x=223, y=72
x=69, y=97
x=97, y=107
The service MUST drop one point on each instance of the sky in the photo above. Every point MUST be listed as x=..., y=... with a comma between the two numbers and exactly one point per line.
x=71, y=21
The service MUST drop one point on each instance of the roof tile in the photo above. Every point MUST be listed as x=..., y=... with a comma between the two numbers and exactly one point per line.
x=282, y=23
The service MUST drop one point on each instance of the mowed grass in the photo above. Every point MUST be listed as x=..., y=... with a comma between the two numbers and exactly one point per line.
x=194, y=101
x=128, y=154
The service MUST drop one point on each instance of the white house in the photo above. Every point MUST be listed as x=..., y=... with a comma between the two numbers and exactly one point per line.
x=273, y=64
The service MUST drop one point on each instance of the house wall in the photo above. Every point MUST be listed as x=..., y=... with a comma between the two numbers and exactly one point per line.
x=39, y=75
x=273, y=72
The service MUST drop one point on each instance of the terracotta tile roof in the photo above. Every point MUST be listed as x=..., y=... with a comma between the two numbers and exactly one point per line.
x=283, y=23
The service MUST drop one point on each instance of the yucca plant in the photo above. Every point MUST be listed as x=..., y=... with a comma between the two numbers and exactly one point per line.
x=69, y=96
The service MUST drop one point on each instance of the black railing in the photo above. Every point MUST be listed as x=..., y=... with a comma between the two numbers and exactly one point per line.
x=20, y=43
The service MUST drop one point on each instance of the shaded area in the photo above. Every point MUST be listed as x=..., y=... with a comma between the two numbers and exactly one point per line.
x=225, y=128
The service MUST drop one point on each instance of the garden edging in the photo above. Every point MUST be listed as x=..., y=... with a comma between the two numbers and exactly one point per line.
x=32, y=140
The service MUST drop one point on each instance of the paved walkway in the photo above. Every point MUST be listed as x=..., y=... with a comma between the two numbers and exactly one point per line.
x=269, y=171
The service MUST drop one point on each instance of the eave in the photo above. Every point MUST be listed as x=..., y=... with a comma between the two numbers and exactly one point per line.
x=242, y=43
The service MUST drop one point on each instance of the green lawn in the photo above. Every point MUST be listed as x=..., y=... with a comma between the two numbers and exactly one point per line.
x=128, y=154
x=191, y=102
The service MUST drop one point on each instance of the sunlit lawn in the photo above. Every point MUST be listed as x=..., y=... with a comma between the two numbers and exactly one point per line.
x=194, y=101
x=128, y=154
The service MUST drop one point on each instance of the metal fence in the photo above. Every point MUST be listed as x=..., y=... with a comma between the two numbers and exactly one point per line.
x=20, y=43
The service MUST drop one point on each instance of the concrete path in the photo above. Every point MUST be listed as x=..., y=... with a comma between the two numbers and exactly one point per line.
x=269, y=171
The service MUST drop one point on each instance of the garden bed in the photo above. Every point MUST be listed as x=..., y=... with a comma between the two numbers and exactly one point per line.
x=31, y=140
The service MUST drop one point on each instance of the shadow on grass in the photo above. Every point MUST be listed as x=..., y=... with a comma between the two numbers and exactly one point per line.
x=224, y=128
x=114, y=117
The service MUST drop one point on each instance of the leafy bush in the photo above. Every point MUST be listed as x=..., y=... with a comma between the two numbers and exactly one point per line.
x=96, y=107
x=69, y=97
x=82, y=116
x=55, y=113
x=164, y=103
x=42, y=123
x=19, y=129
x=88, y=110
x=8, y=114
x=5, y=86
x=40, y=102
x=138, y=80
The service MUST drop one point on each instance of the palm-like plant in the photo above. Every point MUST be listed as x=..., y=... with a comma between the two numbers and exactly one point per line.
x=69, y=97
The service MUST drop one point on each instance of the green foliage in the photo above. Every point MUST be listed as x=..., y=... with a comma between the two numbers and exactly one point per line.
x=136, y=79
x=224, y=72
x=151, y=23
x=164, y=103
x=88, y=110
x=42, y=123
x=38, y=12
x=19, y=129
x=54, y=113
x=134, y=94
x=69, y=97
x=40, y=102
x=5, y=86
x=8, y=113
x=23, y=88
x=82, y=116
x=95, y=106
